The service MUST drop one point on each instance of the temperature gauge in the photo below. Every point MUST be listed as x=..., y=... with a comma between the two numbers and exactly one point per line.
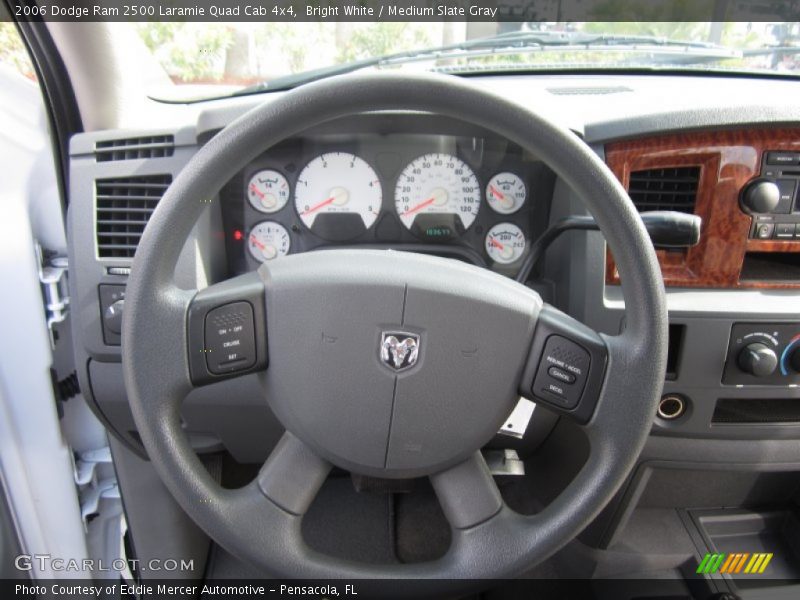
x=268, y=240
x=505, y=243
x=268, y=191
x=505, y=193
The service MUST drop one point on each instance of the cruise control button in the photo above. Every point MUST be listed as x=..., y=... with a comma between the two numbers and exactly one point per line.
x=562, y=372
x=561, y=375
x=230, y=338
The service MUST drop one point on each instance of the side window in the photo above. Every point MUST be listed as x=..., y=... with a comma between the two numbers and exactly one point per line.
x=26, y=150
x=13, y=54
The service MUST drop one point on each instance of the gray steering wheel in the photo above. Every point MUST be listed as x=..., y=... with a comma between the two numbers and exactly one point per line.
x=313, y=327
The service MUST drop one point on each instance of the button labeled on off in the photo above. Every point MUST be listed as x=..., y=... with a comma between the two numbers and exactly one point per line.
x=230, y=338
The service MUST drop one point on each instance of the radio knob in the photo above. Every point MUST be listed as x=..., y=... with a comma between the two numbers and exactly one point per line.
x=758, y=359
x=761, y=196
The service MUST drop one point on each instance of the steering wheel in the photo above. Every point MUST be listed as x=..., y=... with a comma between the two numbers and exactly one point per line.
x=387, y=363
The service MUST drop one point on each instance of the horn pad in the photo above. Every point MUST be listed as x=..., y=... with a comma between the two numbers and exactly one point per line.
x=393, y=364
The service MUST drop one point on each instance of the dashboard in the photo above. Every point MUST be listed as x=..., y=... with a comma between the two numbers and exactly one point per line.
x=419, y=182
x=726, y=152
x=414, y=183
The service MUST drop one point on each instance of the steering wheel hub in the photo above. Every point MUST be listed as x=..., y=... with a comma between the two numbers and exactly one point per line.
x=331, y=314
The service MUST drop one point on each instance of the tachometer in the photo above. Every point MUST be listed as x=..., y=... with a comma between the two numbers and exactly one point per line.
x=268, y=240
x=338, y=196
x=268, y=191
x=505, y=243
x=437, y=197
x=505, y=193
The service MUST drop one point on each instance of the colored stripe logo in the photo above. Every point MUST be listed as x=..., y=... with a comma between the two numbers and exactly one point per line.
x=734, y=562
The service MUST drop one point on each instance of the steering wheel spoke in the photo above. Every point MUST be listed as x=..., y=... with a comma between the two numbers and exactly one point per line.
x=292, y=475
x=567, y=365
x=467, y=493
x=227, y=332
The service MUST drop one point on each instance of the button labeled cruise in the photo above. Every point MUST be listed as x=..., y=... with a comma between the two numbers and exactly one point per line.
x=230, y=338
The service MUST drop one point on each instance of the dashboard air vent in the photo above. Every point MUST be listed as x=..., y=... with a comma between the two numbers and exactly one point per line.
x=155, y=146
x=674, y=188
x=123, y=207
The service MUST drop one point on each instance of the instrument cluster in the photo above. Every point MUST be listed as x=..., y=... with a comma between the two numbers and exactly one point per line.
x=467, y=197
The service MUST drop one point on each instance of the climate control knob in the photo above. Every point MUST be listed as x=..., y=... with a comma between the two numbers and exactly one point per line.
x=758, y=359
x=761, y=196
x=794, y=359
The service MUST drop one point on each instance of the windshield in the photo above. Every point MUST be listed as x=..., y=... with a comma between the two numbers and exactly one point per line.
x=215, y=59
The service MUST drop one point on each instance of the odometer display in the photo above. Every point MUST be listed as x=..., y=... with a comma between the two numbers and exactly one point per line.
x=437, y=197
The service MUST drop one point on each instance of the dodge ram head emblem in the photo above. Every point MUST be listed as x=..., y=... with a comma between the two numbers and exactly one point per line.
x=399, y=350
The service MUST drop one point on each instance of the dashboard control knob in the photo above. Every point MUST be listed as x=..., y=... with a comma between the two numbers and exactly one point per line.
x=112, y=317
x=758, y=359
x=761, y=196
x=794, y=359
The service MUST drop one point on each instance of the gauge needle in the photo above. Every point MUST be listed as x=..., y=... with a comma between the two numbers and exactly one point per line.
x=497, y=244
x=257, y=192
x=319, y=205
x=255, y=241
x=419, y=206
x=496, y=193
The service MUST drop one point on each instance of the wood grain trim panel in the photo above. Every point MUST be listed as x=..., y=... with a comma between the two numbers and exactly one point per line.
x=728, y=160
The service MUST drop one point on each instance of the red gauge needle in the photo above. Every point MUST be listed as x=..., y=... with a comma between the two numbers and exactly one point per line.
x=319, y=205
x=496, y=244
x=258, y=193
x=255, y=241
x=497, y=194
x=419, y=206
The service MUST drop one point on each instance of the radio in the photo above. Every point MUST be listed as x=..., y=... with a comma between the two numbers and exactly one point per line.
x=772, y=198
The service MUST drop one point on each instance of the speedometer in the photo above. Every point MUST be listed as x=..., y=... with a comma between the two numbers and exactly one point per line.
x=437, y=197
x=338, y=196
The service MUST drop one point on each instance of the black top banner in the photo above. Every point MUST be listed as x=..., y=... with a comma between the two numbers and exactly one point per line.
x=402, y=10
